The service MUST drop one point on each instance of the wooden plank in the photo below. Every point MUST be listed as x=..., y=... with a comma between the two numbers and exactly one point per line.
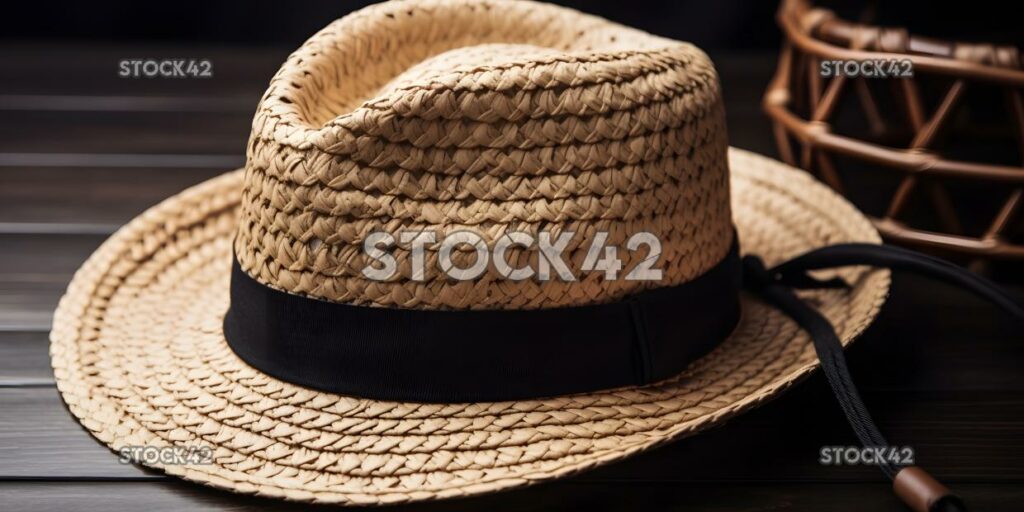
x=111, y=161
x=60, y=69
x=179, y=496
x=119, y=160
x=96, y=200
x=958, y=436
x=939, y=370
x=114, y=187
x=140, y=104
x=893, y=356
x=183, y=133
x=901, y=362
x=25, y=359
x=40, y=439
x=928, y=337
x=34, y=272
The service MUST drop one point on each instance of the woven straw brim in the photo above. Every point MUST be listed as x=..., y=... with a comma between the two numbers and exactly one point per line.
x=140, y=359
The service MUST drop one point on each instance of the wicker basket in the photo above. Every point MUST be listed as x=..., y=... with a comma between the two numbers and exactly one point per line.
x=935, y=158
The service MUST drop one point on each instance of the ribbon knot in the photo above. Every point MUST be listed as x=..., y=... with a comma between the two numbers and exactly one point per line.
x=756, y=276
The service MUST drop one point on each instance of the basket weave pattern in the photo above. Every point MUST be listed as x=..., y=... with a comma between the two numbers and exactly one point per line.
x=925, y=165
x=529, y=128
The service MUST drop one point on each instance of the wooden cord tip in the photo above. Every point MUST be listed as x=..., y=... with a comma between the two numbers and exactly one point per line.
x=923, y=493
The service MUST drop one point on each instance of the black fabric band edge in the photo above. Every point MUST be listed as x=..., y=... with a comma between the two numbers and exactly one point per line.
x=445, y=356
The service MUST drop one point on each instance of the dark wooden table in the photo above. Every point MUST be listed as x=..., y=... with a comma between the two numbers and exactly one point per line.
x=82, y=151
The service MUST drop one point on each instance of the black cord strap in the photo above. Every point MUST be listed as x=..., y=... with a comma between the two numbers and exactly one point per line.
x=494, y=355
x=776, y=286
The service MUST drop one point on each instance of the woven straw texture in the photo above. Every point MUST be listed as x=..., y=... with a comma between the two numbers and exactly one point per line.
x=444, y=114
x=492, y=117
x=139, y=358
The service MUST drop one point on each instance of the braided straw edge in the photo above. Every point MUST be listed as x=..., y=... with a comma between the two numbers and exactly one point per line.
x=176, y=215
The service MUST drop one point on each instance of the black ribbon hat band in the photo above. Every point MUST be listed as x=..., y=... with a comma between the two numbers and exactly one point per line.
x=481, y=355
x=494, y=355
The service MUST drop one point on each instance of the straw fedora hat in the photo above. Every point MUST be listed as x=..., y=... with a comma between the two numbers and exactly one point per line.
x=451, y=116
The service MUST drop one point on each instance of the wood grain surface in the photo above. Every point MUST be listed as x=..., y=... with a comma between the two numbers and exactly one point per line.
x=83, y=151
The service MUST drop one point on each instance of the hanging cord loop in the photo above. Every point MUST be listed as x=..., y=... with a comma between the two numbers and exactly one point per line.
x=776, y=286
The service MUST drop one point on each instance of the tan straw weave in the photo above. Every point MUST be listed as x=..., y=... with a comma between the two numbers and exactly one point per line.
x=447, y=116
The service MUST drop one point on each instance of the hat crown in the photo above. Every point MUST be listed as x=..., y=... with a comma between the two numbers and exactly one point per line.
x=492, y=118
